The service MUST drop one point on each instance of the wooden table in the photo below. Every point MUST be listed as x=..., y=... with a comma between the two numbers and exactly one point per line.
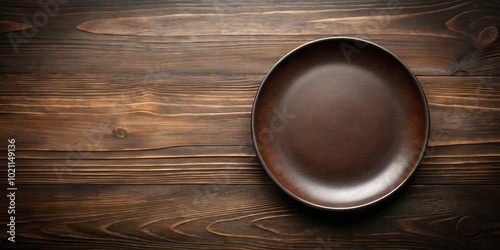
x=131, y=123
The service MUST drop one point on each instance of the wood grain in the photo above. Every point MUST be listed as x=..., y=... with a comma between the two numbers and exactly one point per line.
x=181, y=130
x=446, y=38
x=9, y=26
x=244, y=217
x=132, y=123
x=474, y=19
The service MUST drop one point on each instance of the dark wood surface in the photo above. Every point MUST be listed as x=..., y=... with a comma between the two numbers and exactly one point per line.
x=132, y=124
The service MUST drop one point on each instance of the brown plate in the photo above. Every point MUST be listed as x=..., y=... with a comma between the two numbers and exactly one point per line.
x=340, y=123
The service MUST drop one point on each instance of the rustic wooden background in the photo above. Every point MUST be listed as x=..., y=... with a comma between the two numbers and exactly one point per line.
x=132, y=123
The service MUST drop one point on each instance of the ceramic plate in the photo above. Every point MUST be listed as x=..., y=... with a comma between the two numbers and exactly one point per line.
x=340, y=123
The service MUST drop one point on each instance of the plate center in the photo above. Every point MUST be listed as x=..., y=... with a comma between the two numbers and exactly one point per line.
x=342, y=131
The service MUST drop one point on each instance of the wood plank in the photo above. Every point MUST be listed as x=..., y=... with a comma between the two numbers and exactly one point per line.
x=421, y=54
x=244, y=217
x=446, y=38
x=149, y=108
x=185, y=129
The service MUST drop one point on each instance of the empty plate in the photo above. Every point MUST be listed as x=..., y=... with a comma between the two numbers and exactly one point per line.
x=340, y=123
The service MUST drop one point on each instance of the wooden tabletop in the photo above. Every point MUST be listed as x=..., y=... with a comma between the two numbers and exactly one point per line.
x=131, y=122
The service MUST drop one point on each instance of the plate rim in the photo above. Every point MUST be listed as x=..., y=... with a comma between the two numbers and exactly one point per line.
x=372, y=202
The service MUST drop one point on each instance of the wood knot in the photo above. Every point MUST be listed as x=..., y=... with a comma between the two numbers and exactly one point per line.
x=479, y=24
x=469, y=226
x=120, y=132
x=487, y=36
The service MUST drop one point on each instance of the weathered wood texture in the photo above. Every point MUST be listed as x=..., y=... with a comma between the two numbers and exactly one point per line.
x=235, y=37
x=159, y=93
x=246, y=217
